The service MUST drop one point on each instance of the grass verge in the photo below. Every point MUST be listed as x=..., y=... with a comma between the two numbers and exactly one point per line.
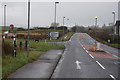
x=109, y=44
x=10, y=64
x=68, y=36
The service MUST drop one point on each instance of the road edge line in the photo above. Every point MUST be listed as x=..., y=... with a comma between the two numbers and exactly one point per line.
x=100, y=65
x=91, y=56
x=112, y=77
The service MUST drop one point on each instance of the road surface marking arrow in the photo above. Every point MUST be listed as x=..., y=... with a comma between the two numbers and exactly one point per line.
x=78, y=64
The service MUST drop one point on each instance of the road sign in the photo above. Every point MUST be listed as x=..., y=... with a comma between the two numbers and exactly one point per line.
x=54, y=35
x=11, y=25
x=11, y=28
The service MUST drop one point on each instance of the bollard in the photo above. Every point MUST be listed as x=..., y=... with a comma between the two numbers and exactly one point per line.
x=15, y=44
x=20, y=44
x=26, y=44
x=3, y=39
x=98, y=46
x=94, y=47
x=45, y=40
x=14, y=53
x=108, y=41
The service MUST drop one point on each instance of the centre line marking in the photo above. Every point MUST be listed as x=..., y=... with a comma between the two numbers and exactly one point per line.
x=100, y=65
x=112, y=77
x=91, y=56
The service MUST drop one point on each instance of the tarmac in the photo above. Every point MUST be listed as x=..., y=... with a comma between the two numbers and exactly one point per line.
x=42, y=68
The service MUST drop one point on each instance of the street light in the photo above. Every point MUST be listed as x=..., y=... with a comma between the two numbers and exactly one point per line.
x=4, y=16
x=55, y=15
x=67, y=25
x=63, y=25
x=63, y=20
x=96, y=17
x=28, y=27
x=114, y=31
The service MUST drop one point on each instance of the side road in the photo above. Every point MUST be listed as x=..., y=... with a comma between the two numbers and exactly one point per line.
x=42, y=68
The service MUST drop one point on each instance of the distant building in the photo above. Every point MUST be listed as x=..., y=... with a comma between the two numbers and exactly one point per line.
x=117, y=25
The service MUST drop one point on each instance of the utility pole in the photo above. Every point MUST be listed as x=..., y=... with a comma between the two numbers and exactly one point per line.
x=114, y=31
x=5, y=17
x=28, y=27
x=63, y=25
x=67, y=25
x=55, y=15
x=95, y=28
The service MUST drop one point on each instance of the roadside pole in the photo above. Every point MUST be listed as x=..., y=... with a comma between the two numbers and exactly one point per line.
x=94, y=46
x=4, y=22
x=5, y=17
x=63, y=25
x=28, y=27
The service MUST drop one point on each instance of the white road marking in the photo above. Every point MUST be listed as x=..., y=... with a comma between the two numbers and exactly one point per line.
x=86, y=51
x=110, y=53
x=78, y=64
x=83, y=48
x=112, y=77
x=91, y=56
x=114, y=55
x=100, y=65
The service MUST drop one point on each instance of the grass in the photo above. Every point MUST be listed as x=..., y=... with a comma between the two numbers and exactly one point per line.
x=67, y=38
x=62, y=38
x=109, y=44
x=10, y=64
x=7, y=28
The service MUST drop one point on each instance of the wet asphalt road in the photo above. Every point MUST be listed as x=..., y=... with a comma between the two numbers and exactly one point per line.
x=89, y=67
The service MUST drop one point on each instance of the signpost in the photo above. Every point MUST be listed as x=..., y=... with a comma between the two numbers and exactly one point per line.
x=11, y=28
x=54, y=35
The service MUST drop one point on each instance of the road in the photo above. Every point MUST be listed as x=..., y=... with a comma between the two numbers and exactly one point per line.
x=76, y=62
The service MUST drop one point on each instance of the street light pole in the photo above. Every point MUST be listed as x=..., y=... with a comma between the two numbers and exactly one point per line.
x=28, y=27
x=95, y=28
x=4, y=17
x=63, y=25
x=55, y=16
x=67, y=25
x=114, y=31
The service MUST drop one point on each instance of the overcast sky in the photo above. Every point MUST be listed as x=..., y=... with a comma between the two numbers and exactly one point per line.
x=42, y=13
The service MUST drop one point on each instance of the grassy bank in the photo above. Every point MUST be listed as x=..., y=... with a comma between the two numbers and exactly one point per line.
x=10, y=64
x=68, y=36
x=109, y=44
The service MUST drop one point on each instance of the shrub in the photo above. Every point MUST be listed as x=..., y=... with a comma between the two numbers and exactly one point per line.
x=7, y=49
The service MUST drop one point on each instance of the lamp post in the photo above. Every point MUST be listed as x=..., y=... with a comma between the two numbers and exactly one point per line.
x=28, y=27
x=63, y=25
x=114, y=31
x=96, y=17
x=4, y=17
x=67, y=25
x=55, y=15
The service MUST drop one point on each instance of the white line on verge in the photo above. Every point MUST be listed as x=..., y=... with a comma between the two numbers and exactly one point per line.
x=100, y=65
x=112, y=77
x=91, y=56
